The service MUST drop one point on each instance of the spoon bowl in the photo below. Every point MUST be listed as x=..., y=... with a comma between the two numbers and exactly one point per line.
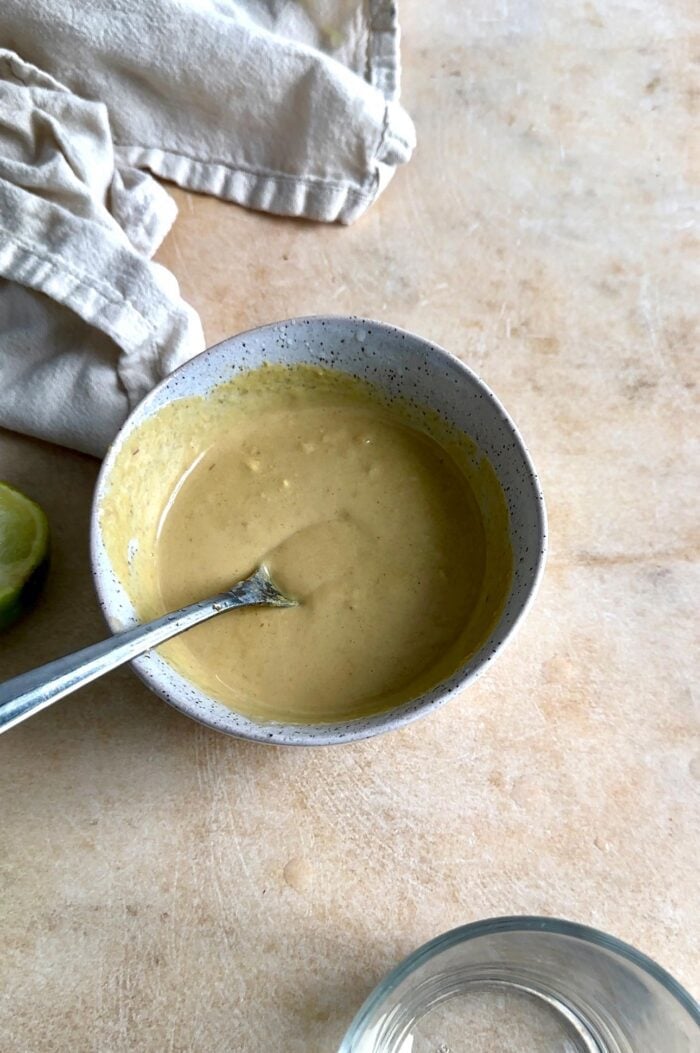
x=31, y=692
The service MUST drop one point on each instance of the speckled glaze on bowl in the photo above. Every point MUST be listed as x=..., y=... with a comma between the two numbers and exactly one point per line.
x=400, y=364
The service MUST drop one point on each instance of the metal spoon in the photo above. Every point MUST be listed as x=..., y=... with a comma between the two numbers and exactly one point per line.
x=28, y=693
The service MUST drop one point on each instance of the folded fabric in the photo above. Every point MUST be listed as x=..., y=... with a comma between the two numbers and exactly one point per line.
x=87, y=323
x=282, y=106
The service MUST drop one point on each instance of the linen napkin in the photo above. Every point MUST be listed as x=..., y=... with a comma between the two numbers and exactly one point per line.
x=290, y=107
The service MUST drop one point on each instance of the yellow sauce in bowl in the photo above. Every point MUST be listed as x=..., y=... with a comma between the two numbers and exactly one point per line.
x=388, y=526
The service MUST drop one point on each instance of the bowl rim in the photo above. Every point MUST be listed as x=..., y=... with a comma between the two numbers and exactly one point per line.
x=513, y=923
x=275, y=733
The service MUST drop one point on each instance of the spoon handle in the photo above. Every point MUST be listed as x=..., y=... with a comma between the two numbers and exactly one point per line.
x=30, y=692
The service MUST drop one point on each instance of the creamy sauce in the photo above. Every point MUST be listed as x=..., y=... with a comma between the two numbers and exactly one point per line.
x=394, y=542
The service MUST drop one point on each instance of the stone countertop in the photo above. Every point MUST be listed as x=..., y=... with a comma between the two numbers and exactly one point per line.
x=166, y=888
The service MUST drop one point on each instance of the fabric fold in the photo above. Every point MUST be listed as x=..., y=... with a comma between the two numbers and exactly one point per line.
x=285, y=107
x=276, y=106
x=88, y=324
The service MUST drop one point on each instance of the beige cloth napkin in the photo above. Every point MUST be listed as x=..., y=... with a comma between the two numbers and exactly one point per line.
x=284, y=106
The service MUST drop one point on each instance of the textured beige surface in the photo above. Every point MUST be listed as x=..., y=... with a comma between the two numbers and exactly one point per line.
x=164, y=888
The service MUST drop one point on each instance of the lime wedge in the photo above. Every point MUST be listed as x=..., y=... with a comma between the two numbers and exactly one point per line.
x=24, y=553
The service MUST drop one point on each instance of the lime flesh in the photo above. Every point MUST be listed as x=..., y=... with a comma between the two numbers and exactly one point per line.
x=24, y=553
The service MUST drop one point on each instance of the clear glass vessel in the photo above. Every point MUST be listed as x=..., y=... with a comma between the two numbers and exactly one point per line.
x=526, y=985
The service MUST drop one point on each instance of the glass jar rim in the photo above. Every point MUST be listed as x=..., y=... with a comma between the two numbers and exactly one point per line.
x=515, y=923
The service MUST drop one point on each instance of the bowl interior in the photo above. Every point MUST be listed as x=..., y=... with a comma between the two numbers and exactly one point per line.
x=401, y=365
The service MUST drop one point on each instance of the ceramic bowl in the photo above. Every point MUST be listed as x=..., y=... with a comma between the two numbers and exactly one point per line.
x=401, y=364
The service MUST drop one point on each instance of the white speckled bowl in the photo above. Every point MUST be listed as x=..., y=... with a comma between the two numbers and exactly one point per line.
x=400, y=364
